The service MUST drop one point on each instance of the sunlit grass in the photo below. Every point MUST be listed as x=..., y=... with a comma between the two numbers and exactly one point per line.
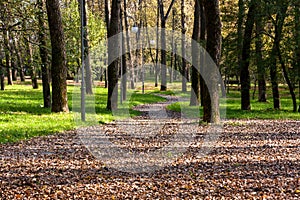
x=23, y=116
x=231, y=107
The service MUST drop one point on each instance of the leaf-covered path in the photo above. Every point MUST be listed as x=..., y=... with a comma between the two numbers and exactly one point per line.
x=254, y=159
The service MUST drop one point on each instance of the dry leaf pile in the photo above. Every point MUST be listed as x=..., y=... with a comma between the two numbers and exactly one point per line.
x=256, y=159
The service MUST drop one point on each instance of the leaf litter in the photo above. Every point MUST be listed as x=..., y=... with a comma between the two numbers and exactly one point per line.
x=251, y=159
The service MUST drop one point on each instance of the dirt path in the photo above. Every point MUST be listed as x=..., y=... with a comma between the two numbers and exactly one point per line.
x=251, y=159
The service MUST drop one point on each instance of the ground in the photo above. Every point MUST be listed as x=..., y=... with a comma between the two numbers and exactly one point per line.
x=250, y=159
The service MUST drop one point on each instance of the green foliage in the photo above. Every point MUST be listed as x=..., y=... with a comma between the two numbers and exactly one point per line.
x=96, y=34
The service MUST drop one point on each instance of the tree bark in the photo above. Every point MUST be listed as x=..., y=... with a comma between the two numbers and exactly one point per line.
x=2, y=75
x=202, y=42
x=124, y=58
x=128, y=54
x=211, y=112
x=58, y=63
x=279, y=22
x=261, y=72
x=240, y=32
x=163, y=18
x=195, y=88
x=87, y=66
x=7, y=56
x=287, y=79
x=183, y=46
x=244, y=73
x=157, y=45
x=113, y=51
x=18, y=50
x=297, y=38
x=44, y=55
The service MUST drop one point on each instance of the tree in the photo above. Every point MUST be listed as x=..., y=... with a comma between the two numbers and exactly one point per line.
x=183, y=46
x=58, y=62
x=7, y=56
x=278, y=23
x=195, y=76
x=211, y=112
x=87, y=66
x=113, y=25
x=297, y=38
x=282, y=13
x=261, y=72
x=44, y=55
x=245, y=78
x=1, y=74
x=128, y=54
x=163, y=19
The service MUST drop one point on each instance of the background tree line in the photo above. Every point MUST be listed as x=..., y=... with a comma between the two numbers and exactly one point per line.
x=260, y=45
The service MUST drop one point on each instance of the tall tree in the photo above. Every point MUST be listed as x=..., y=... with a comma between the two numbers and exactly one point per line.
x=261, y=72
x=163, y=19
x=113, y=51
x=128, y=54
x=195, y=76
x=211, y=112
x=7, y=55
x=297, y=38
x=202, y=42
x=244, y=71
x=183, y=46
x=278, y=23
x=157, y=45
x=58, y=63
x=240, y=23
x=87, y=66
x=44, y=55
x=283, y=5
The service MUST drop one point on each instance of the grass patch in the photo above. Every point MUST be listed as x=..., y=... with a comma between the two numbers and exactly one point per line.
x=232, y=104
x=22, y=115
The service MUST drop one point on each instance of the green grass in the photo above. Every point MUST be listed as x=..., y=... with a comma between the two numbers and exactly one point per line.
x=230, y=108
x=22, y=115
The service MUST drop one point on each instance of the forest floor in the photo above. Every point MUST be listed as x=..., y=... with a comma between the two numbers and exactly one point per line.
x=246, y=159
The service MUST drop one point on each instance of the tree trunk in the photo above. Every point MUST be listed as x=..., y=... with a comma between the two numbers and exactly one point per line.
x=58, y=64
x=157, y=45
x=245, y=77
x=31, y=66
x=44, y=56
x=279, y=22
x=113, y=52
x=7, y=57
x=287, y=79
x=183, y=46
x=123, y=57
x=297, y=38
x=240, y=32
x=87, y=66
x=128, y=45
x=163, y=18
x=19, y=59
x=261, y=72
x=211, y=112
x=172, y=47
x=13, y=54
x=1, y=75
x=202, y=42
x=163, y=60
x=195, y=88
